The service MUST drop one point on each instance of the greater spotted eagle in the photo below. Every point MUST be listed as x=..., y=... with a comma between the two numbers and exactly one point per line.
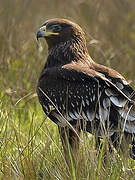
x=78, y=94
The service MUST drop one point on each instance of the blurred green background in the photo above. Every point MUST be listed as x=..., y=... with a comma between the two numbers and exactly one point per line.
x=29, y=145
x=109, y=28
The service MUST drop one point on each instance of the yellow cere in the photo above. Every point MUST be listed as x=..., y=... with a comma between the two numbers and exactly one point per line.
x=48, y=32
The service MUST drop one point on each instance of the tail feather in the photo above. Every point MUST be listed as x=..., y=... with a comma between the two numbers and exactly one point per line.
x=128, y=114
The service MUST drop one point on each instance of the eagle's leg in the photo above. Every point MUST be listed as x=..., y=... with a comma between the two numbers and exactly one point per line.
x=98, y=143
x=132, y=152
x=121, y=144
x=103, y=146
x=70, y=143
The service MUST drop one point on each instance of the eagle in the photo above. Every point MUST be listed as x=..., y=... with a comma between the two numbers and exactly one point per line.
x=79, y=94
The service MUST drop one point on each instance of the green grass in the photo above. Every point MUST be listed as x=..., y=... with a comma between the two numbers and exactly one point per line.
x=30, y=148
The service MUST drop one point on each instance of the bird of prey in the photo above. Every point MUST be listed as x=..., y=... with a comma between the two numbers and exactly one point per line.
x=78, y=94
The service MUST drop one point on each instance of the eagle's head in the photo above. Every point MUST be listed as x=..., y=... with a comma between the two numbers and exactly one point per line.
x=56, y=31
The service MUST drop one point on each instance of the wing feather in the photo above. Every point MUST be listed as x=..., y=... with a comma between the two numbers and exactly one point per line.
x=87, y=94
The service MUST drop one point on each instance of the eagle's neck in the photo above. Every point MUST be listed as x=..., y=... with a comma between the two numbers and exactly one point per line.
x=66, y=52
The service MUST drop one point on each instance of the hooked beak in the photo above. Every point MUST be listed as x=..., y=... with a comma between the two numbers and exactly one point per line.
x=44, y=32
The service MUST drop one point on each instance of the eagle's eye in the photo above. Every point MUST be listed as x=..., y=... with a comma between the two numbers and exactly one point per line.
x=56, y=28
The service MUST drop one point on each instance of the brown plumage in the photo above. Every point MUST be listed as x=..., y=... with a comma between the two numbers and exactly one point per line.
x=79, y=91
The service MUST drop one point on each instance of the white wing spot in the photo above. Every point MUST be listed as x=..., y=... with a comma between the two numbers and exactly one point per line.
x=118, y=102
x=94, y=97
x=119, y=85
